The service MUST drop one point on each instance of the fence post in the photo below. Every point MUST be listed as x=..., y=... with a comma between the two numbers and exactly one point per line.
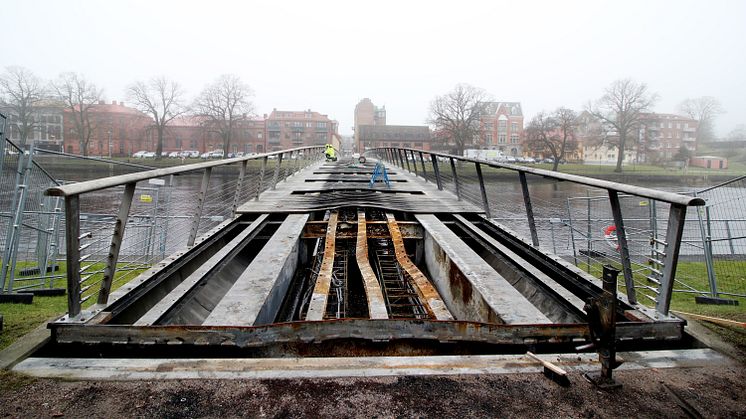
x=406, y=159
x=621, y=236
x=14, y=225
x=422, y=161
x=529, y=209
x=455, y=179
x=276, y=175
x=200, y=206
x=436, y=170
x=483, y=190
x=116, y=243
x=676, y=218
x=237, y=195
x=72, y=243
x=707, y=247
x=261, y=178
x=414, y=163
x=730, y=237
x=401, y=159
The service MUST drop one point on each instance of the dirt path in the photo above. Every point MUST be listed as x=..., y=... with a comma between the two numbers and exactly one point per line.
x=714, y=392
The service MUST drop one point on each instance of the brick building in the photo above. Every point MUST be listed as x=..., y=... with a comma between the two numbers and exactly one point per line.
x=366, y=113
x=501, y=128
x=290, y=129
x=411, y=136
x=117, y=130
x=662, y=135
x=194, y=133
x=372, y=131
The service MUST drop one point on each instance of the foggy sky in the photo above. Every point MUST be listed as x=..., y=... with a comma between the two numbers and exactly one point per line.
x=328, y=55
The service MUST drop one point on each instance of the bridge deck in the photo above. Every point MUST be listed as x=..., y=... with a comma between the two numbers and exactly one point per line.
x=336, y=185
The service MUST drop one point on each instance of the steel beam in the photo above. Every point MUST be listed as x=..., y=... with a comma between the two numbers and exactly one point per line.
x=239, y=183
x=376, y=302
x=200, y=206
x=529, y=209
x=317, y=305
x=629, y=280
x=261, y=178
x=483, y=190
x=116, y=243
x=72, y=245
x=676, y=218
x=436, y=170
x=455, y=178
x=429, y=296
x=376, y=230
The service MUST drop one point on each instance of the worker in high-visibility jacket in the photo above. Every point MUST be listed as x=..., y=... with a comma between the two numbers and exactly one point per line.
x=330, y=152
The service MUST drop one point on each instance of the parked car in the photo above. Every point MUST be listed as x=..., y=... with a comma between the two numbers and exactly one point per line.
x=189, y=154
x=529, y=160
x=140, y=154
x=149, y=155
x=173, y=155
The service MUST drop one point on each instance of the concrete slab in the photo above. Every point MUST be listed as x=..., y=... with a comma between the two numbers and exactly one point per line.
x=471, y=288
x=257, y=294
x=264, y=368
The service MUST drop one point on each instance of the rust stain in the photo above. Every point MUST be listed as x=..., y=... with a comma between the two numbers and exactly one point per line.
x=317, y=306
x=373, y=292
x=459, y=284
x=431, y=300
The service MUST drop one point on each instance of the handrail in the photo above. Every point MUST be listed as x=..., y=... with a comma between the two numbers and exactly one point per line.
x=108, y=182
x=641, y=191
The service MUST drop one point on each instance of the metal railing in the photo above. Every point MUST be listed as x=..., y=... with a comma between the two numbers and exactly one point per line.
x=465, y=177
x=98, y=249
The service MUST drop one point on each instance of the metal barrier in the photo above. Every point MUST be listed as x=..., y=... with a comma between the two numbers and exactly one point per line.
x=466, y=178
x=101, y=252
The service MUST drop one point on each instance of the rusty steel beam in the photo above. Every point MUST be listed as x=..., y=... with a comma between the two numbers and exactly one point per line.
x=376, y=330
x=375, y=230
x=317, y=305
x=376, y=302
x=429, y=296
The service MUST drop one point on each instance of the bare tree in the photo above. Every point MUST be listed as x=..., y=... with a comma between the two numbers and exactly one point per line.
x=79, y=96
x=224, y=103
x=620, y=108
x=704, y=109
x=20, y=93
x=160, y=98
x=553, y=134
x=456, y=114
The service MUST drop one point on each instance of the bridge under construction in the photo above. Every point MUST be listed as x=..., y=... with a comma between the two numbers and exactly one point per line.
x=356, y=260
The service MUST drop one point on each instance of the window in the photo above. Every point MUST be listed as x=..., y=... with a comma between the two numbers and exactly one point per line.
x=502, y=126
x=501, y=138
x=321, y=125
x=670, y=125
x=488, y=138
x=514, y=139
x=260, y=135
x=513, y=127
x=678, y=125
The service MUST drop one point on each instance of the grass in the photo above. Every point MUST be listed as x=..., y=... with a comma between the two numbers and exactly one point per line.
x=694, y=274
x=20, y=319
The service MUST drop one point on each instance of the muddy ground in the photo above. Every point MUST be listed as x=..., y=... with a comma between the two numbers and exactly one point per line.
x=713, y=392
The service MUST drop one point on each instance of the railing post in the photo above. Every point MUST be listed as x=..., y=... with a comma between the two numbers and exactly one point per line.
x=422, y=161
x=261, y=178
x=276, y=175
x=529, y=209
x=116, y=243
x=401, y=160
x=237, y=195
x=483, y=190
x=455, y=179
x=406, y=158
x=414, y=163
x=72, y=243
x=200, y=206
x=675, y=229
x=287, y=166
x=436, y=170
x=629, y=281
